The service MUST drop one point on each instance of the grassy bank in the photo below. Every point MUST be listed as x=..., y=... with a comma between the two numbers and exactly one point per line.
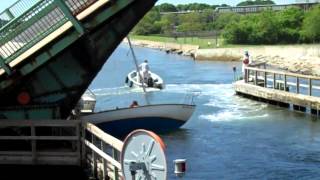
x=203, y=43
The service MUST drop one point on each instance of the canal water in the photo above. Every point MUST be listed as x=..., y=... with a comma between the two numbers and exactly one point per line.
x=228, y=137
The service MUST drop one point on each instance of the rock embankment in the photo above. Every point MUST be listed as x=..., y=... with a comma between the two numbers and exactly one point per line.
x=183, y=49
x=304, y=59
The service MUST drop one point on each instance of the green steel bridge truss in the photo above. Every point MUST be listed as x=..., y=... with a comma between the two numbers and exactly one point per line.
x=56, y=74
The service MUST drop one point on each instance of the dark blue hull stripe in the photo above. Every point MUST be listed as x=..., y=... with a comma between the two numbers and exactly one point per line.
x=125, y=126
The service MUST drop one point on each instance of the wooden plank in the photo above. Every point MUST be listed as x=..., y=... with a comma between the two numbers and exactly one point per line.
x=265, y=79
x=285, y=83
x=20, y=153
x=256, y=77
x=274, y=81
x=33, y=145
x=49, y=138
x=29, y=153
x=27, y=160
x=102, y=154
x=310, y=87
x=297, y=85
x=114, y=142
x=40, y=123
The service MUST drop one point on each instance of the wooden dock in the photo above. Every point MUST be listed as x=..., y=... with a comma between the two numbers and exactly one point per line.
x=58, y=144
x=302, y=92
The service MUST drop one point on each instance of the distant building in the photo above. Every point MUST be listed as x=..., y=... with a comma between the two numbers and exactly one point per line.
x=307, y=1
x=258, y=8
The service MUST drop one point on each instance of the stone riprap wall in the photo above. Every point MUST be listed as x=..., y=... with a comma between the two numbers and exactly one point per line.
x=303, y=59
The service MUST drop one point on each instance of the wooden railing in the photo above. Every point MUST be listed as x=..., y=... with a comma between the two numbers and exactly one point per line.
x=102, y=152
x=282, y=80
x=60, y=142
x=51, y=142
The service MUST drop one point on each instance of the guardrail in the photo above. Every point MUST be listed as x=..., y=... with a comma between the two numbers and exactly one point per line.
x=15, y=10
x=60, y=142
x=102, y=151
x=52, y=142
x=283, y=81
x=31, y=26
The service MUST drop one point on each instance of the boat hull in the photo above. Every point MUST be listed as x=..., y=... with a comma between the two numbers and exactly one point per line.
x=157, y=118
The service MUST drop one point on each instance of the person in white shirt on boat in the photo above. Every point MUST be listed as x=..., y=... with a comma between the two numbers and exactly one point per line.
x=144, y=71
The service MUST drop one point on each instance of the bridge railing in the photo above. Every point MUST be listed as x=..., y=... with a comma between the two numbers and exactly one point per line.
x=102, y=152
x=286, y=81
x=60, y=142
x=50, y=142
x=15, y=10
x=32, y=25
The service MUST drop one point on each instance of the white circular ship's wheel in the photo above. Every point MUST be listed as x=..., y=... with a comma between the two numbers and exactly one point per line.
x=143, y=157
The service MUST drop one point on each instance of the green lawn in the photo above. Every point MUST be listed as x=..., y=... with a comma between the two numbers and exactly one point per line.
x=204, y=43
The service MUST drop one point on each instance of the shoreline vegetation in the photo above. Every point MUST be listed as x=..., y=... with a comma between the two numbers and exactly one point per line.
x=287, y=39
x=304, y=59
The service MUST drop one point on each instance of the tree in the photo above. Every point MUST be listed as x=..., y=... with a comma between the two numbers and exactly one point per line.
x=166, y=7
x=290, y=21
x=147, y=24
x=190, y=22
x=255, y=2
x=311, y=25
x=168, y=23
x=260, y=28
x=193, y=7
x=225, y=18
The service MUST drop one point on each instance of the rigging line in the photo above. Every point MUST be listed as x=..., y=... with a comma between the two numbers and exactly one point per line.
x=137, y=68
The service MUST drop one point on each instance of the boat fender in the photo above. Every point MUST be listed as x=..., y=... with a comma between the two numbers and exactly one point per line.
x=130, y=84
x=127, y=79
x=24, y=98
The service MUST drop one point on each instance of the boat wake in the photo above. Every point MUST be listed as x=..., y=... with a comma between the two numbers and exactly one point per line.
x=219, y=102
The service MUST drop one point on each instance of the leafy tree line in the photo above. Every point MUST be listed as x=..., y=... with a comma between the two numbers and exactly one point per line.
x=166, y=7
x=288, y=26
x=256, y=2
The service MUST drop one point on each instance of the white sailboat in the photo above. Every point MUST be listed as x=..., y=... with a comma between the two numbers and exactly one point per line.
x=158, y=117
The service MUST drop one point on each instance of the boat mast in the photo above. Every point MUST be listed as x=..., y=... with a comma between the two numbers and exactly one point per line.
x=137, y=67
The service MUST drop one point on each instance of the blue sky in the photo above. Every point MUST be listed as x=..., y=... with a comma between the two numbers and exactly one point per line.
x=6, y=3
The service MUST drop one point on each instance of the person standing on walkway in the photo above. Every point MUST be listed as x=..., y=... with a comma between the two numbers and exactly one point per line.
x=245, y=63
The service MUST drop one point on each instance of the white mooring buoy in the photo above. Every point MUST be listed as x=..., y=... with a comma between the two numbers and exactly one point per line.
x=180, y=167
